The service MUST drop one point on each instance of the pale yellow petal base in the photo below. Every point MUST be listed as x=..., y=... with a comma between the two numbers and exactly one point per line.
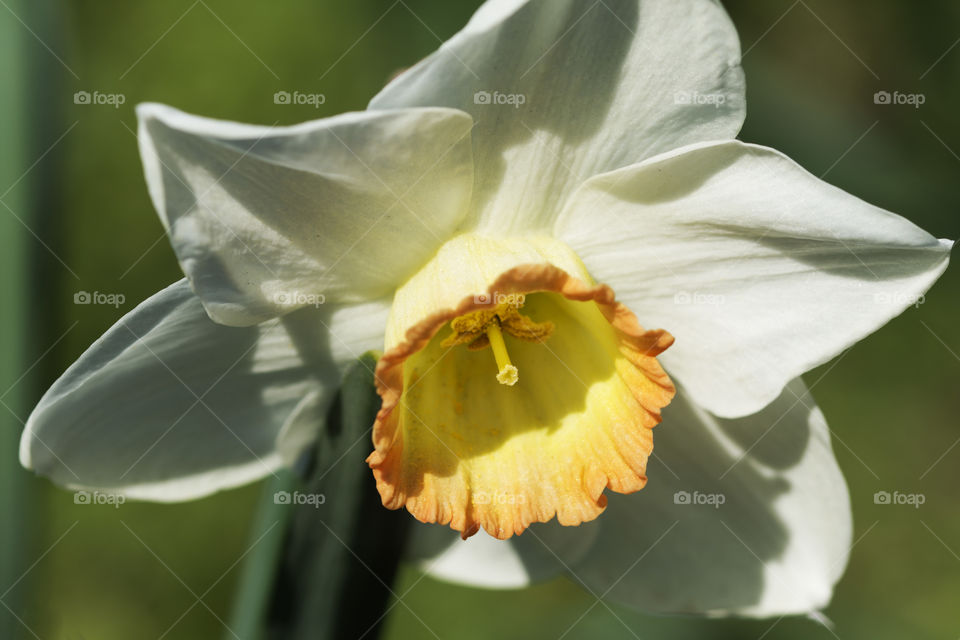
x=455, y=446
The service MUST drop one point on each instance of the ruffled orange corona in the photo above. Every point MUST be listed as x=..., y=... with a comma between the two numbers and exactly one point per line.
x=562, y=410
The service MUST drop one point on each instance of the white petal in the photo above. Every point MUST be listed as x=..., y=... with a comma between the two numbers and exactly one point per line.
x=265, y=220
x=603, y=85
x=760, y=270
x=169, y=405
x=479, y=561
x=775, y=543
x=540, y=553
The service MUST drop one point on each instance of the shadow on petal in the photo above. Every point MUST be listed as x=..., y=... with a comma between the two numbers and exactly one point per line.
x=747, y=516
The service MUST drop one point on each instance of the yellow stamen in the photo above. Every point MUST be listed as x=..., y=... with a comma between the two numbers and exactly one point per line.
x=508, y=374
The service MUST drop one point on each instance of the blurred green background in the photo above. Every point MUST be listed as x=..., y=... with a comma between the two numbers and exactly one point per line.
x=812, y=69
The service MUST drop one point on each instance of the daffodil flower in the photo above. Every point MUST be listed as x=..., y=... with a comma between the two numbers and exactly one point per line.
x=522, y=222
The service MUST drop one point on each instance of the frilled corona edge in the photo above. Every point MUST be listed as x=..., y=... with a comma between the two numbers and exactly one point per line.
x=457, y=458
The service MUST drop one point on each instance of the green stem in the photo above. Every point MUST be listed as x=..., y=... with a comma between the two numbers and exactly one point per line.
x=260, y=566
x=331, y=580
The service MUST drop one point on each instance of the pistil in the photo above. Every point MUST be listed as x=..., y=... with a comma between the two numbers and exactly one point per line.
x=508, y=374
